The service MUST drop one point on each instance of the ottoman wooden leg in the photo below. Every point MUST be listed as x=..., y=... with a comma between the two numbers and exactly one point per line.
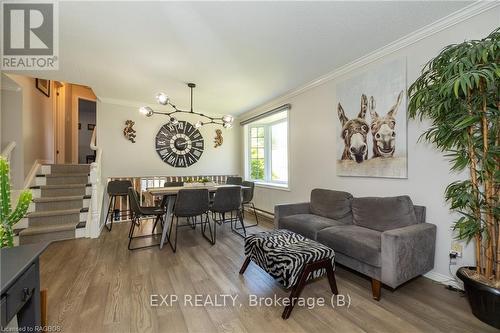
x=297, y=289
x=331, y=278
x=245, y=265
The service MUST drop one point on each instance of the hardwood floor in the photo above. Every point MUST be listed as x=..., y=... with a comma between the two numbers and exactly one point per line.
x=97, y=285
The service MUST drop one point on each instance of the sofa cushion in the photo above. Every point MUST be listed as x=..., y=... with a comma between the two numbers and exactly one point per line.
x=383, y=214
x=307, y=225
x=331, y=204
x=360, y=243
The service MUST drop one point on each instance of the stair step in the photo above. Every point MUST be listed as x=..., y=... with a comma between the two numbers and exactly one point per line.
x=59, y=203
x=62, y=178
x=59, y=186
x=61, y=190
x=34, y=234
x=65, y=168
x=53, y=217
x=47, y=228
x=54, y=213
x=62, y=198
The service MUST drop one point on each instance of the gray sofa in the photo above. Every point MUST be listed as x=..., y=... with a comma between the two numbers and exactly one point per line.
x=384, y=238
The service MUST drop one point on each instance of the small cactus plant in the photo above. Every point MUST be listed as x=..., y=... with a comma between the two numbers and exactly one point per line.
x=9, y=217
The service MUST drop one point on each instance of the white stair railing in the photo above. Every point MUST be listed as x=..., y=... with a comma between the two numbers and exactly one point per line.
x=7, y=152
x=93, y=226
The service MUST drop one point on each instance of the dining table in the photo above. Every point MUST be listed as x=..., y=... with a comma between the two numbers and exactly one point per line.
x=170, y=193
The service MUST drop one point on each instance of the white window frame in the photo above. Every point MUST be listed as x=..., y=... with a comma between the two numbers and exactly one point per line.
x=267, y=181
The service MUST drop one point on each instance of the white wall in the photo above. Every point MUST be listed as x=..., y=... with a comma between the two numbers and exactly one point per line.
x=122, y=158
x=313, y=140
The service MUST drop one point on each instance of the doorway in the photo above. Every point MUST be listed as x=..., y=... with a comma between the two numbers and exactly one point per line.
x=86, y=128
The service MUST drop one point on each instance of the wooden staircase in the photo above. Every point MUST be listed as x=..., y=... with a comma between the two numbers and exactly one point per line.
x=60, y=204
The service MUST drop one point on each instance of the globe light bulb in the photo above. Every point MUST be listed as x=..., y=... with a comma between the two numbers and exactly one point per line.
x=174, y=121
x=227, y=125
x=162, y=98
x=146, y=110
x=227, y=118
x=198, y=124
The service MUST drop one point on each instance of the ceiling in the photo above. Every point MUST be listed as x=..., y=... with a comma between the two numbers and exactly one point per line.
x=240, y=54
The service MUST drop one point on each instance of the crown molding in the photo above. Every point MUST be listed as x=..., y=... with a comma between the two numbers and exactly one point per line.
x=454, y=18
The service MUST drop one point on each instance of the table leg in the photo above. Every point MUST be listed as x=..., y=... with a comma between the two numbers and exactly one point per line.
x=167, y=219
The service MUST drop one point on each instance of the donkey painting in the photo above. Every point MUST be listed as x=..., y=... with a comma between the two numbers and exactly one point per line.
x=354, y=133
x=383, y=129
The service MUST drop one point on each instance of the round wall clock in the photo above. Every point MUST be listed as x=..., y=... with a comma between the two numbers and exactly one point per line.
x=179, y=145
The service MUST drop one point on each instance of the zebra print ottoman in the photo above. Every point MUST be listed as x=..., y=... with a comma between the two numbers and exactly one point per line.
x=291, y=259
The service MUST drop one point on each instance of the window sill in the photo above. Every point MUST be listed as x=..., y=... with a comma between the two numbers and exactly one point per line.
x=273, y=186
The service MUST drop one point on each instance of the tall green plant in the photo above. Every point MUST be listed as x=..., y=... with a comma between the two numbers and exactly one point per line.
x=459, y=92
x=9, y=217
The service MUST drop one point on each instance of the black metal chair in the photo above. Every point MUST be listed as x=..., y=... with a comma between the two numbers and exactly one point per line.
x=234, y=180
x=116, y=189
x=163, y=202
x=191, y=204
x=247, y=201
x=139, y=212
x=228, y=200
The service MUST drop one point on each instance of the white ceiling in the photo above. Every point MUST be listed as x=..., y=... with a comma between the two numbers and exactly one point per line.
x=240, y=54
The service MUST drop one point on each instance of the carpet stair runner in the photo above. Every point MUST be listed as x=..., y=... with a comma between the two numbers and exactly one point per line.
x=61, y=198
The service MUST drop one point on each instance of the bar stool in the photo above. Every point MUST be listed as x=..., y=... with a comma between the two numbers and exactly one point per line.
x=247, y=200
x=116, y=189
x=190, y=203
x=228, y=200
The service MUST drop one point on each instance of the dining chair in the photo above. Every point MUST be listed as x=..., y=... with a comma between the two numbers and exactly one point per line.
x=228, y=200
x=164, y=200
x=248, y=201
x=234, y=180
x=116, y=189
x=190, y=204
x=140, y=212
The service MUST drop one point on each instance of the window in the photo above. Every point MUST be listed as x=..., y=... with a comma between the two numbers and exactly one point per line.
x=267, y=149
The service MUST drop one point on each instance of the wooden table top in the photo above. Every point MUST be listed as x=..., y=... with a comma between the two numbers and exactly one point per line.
x=160, y=191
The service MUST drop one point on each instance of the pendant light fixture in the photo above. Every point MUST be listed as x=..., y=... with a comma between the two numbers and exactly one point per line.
x=163, y=99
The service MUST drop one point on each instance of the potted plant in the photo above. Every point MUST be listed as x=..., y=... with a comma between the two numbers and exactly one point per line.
x=459, y=92
x=9, y=217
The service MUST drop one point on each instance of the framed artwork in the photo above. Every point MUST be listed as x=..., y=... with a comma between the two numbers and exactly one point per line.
x=43, y=86
x=371, y=122
x=90, y=127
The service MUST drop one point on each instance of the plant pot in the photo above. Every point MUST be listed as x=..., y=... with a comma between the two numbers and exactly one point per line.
x=484, y=300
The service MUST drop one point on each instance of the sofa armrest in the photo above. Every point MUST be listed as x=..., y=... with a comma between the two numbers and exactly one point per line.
x=289, y=209
x=407, y=252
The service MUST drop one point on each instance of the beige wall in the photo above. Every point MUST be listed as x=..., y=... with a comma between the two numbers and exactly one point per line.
x=313, y=141
x=77, y=92
x=123, y=158
x=36, y=126
x=11, y=121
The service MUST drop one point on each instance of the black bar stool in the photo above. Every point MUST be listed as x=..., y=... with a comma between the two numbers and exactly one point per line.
x=142, y=212
x=116, y=189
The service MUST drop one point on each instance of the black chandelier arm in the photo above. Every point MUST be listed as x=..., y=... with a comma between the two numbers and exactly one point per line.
x=176, y=110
